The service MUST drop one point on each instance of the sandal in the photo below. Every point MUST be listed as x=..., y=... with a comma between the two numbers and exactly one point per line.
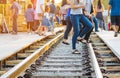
x=84, y=41
x=66, y=43
x=75, y=52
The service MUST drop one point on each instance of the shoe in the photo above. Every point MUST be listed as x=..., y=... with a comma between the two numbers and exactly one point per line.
x=79, y=40
x=115, y=34
x=97, y=31
x=66, y=43
x=75, y=52
x=13, y=32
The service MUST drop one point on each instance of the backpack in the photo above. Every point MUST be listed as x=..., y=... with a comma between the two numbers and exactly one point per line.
x=52, y=8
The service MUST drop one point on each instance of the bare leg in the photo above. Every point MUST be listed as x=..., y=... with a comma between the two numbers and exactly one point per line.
x=115, y=28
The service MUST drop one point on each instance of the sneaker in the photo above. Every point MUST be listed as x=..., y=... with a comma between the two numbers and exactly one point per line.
x=115, y=34
x=66, y=43
x=75, y=52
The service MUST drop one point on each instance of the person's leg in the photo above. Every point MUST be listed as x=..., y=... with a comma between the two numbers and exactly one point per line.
x=117, y=23
x=14, y=25
x=68, y=29
x=40, y=22
x=113, y=22
x=87, y=24
x=31, y=26
x=27, y=26
x=36, y=24
x=87, y=36
x=75, y=23
x=101, y=24
x=95, y=23
x=52, y=21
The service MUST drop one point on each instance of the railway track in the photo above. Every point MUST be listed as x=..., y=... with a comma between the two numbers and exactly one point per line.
x=49, y=58
x=14, y=65
x=108, y=62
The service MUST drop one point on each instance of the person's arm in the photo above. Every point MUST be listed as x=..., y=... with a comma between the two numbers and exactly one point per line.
x=81, y=5
x=109, y=8
x=96, y=9
x=103, y=8
x=42, y=7
x=12, y=13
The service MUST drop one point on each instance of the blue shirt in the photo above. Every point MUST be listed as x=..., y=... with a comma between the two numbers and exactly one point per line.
x=115, y=10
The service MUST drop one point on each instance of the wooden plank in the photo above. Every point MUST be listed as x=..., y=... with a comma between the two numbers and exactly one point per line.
x=104, y=51
x=23, y=55
x=112, y=75
x=108, y=59
x=99, y=44
x=11, y=62
x=34, y=47
x=2, y=72
x=111, y=68
x=29, y=51
x=101, y=48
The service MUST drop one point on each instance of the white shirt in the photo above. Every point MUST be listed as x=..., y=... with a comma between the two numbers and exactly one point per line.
x=87, y=5
x=78, y=10
x=38, y=3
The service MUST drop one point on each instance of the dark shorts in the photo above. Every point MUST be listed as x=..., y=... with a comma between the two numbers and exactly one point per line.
x=115, y=20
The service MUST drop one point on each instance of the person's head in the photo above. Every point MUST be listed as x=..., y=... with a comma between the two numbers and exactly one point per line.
x=29, y=6
x=58, y=7
x=12, y=1
x=47, y=9
x=99, y=5
x=48, y=1
x=93, y=0
x=64, y=2
x=52, y=1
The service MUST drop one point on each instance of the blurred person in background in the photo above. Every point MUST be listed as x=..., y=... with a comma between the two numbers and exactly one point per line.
x=66, y=8
x=52, y=15
x=46, y=21
x=114, y=6
x=57, y=15
x=29, y=15
x=99, y=13
x=63, y=11
x=40, y=11
x=14, y=15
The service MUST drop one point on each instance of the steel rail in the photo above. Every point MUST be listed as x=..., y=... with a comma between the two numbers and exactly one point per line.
x=95, y=62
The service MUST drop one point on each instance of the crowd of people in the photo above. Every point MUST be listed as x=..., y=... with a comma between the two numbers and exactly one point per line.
x=81, y=15
x=39, y=16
